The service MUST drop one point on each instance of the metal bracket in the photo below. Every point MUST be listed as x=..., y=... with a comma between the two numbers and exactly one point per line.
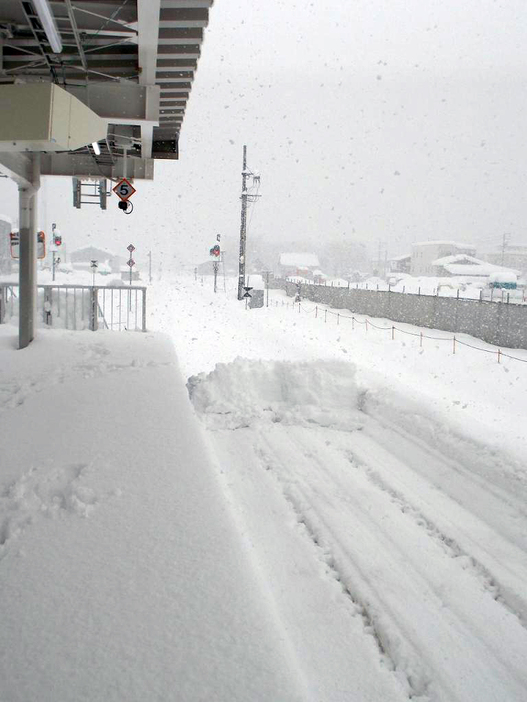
x=90, y=193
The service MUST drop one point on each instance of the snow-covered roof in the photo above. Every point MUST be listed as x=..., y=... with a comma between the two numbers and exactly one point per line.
x=458, y=258
x=463, y=264
x=444, y=242
x=94, y=248
x=401, y=258
x=486, y=269
x=301, y=260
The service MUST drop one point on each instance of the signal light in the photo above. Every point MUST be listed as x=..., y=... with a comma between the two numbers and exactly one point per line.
x=57, y=240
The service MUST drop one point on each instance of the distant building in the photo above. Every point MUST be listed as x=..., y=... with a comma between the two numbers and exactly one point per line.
x=426, y=252
x=92, y=253
x=125, y=274
x=466, y=266
x=302, y=264
x=400, y=264
x=514, y=256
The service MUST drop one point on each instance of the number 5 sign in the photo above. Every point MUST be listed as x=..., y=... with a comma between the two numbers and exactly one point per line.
x=124, y=189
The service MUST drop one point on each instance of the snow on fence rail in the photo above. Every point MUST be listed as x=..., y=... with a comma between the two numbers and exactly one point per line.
x=82, y=306
x=498, y=323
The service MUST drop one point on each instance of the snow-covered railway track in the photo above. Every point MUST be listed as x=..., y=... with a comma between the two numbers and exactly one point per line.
x=438, y=614
x=423, y=528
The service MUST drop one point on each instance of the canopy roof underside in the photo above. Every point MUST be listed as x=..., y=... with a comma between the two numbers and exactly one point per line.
x=147, y=50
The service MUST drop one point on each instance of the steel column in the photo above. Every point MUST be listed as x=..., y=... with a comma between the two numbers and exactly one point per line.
x=28, y=256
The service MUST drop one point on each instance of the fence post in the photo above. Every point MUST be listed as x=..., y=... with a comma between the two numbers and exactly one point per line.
x=421, y=339
x=325, y=315
x=93, y=309
x=144, y=309
x=454, y=345
x=353, y=322
x=316, y=311
x=47, y=306
x=393, y=332
x=366, y=324
x=338, y=318
x=499, y=355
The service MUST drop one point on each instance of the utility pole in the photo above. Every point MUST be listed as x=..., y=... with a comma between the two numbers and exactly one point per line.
x=243, y=227
x=506, y=238
x=246, y=197
x=215, y=266
x=94, y=265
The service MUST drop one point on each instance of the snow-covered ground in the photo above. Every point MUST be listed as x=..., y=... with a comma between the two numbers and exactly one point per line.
x=396, y=470
x=341, y=517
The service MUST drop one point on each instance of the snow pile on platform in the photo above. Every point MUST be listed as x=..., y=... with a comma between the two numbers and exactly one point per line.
x=122, y=575
x=243, y=392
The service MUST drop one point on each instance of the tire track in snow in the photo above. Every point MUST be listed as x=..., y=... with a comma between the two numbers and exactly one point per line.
x=417, y=684
x=386, y=614
x=489, y=581
x=451, y=443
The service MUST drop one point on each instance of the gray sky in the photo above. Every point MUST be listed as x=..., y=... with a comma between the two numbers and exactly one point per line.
x=398, y=121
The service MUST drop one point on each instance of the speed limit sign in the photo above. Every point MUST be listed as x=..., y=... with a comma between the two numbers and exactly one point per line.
x=124, y=189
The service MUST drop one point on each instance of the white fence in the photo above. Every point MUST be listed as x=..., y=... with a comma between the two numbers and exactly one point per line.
x=82, y=306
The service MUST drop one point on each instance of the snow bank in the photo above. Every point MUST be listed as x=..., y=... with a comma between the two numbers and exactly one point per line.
x=245, y=392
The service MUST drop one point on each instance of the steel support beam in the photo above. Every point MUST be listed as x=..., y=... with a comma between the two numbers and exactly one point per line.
x=28, y=256
x=148, y=29
x=83, y=165
x=17, y=166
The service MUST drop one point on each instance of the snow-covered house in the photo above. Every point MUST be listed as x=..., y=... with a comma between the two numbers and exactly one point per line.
x=92, y=253
x=466, y=266
x=513, y=256
x=400, y=264
x=298, y=264
x=424, y=254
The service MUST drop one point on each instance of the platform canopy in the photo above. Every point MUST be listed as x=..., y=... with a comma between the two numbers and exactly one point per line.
x=132, y=62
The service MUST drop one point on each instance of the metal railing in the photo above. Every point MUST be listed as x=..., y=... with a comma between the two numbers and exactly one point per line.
x=82, y=306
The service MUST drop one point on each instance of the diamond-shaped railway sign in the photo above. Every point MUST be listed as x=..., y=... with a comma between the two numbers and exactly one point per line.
x=124, y=189
x=130, y=248
x=131, y=262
